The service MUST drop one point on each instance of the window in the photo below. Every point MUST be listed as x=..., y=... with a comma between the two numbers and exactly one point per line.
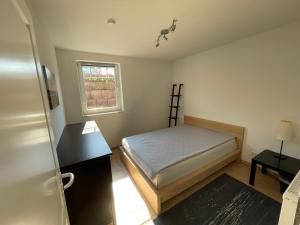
x=100, y=87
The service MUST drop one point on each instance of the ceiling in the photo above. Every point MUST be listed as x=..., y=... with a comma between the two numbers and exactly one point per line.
x=203, y=24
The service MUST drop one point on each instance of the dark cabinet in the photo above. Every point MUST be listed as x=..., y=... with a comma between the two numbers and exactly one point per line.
x=83, y=151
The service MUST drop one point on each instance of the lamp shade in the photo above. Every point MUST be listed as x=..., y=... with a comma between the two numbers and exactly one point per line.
x=285, y=130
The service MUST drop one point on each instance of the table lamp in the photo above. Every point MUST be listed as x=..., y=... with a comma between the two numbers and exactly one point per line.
x=284, y=134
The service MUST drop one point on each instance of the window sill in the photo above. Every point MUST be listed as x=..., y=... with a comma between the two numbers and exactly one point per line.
x=102, y=113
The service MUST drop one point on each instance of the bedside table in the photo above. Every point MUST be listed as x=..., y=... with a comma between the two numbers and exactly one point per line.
x=287, y=168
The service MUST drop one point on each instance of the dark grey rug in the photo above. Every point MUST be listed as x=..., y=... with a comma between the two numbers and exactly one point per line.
x=224, y=201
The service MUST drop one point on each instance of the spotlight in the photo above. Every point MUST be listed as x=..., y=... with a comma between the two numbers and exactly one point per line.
x=164, y=32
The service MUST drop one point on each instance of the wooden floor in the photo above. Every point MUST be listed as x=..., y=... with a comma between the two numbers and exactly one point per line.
x=131, y=209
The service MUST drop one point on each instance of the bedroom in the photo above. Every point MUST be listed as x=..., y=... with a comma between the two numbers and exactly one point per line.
x=238, y=62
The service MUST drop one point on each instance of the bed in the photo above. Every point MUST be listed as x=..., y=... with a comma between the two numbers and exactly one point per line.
x=164, y=164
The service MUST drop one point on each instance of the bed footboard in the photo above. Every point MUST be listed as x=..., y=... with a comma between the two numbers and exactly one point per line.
x=169, y=195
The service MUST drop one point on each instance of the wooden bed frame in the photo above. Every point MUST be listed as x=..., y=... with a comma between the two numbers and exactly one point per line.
x=159, y=199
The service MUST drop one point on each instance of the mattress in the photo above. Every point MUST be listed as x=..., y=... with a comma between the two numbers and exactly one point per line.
x=178, y=170
x=160, y=152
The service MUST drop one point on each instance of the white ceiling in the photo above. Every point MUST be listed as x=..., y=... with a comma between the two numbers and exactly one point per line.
x=203, y=24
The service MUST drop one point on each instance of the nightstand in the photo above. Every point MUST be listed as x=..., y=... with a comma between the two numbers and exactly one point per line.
x=287, y=168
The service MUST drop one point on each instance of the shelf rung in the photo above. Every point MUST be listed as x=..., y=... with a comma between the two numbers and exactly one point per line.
x=172, y=117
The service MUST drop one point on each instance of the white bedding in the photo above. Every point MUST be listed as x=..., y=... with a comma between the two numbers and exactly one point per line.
x=155, y=151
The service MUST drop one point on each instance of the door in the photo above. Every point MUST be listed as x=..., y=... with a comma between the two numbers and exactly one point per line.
x=30, y=185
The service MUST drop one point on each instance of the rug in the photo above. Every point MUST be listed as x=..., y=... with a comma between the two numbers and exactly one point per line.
x=224, y=201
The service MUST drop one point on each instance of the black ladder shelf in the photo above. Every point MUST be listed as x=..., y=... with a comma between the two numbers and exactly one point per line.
x=176, y=106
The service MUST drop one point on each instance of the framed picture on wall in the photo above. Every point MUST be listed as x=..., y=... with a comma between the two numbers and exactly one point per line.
x=51, y=87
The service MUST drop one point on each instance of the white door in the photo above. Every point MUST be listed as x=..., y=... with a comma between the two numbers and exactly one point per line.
x=30, y=187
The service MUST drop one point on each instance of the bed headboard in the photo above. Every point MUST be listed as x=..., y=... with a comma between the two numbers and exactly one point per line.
x=237, y=131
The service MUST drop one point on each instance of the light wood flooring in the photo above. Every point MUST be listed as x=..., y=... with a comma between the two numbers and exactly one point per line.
x=131, y=209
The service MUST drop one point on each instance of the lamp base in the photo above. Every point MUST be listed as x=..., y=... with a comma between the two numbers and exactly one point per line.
x=281, y=157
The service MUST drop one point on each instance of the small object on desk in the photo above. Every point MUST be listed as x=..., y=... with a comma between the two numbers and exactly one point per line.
x=284, y=134
x=83, y=151
x=287, y=168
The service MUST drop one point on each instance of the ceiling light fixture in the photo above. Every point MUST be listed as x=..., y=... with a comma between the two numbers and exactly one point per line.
x=164, y=32
x=111, y=21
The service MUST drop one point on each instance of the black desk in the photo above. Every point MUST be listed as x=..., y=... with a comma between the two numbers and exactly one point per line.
x=83, y=151
x=287, y=168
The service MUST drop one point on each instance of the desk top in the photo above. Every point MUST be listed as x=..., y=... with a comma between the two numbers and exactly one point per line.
x=81, y=142
x=289, y=165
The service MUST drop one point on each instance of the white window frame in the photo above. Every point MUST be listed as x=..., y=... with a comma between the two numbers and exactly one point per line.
x=119, y=92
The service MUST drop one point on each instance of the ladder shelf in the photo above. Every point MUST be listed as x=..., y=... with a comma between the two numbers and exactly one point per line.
x=176, y=106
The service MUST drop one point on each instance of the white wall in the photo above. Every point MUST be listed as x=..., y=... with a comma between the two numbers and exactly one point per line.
x=254, y=83
x=47, y=56
x=146, y=89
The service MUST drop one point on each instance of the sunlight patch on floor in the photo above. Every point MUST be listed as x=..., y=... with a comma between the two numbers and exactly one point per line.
x=130, y=207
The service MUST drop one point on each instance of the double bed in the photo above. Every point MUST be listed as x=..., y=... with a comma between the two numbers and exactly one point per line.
x=167, y=162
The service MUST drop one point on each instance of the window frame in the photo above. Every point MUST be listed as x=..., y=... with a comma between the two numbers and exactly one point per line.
x=119, y=91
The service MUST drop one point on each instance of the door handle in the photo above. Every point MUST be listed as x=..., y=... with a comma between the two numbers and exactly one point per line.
x=71, y=179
